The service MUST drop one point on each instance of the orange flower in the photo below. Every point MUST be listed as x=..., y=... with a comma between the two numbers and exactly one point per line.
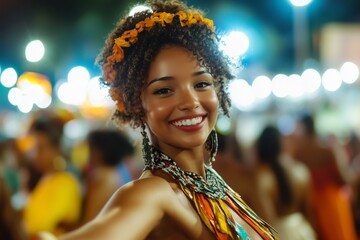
x=109, y=72
x=116, y=95
x=198, y=17
x=209, y=23
x=131, y=35
x=183, y=17
x=120, y=106
x=168, y=18
x=121, y=42
x=140, y=26
x=118, y=54
x=191, y=20
x=163, y=18
x=158, y=18
x=149, y=23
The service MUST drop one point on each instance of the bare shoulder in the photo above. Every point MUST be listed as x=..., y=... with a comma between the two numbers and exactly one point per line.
x=132, y=212
x=150, y=190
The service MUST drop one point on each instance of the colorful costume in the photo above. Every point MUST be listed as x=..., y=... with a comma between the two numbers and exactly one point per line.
x=212, y=199
x=331, y=206
x=56, y=199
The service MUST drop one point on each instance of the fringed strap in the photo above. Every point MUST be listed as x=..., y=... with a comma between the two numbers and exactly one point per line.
x=212, y=199
x=249, y=216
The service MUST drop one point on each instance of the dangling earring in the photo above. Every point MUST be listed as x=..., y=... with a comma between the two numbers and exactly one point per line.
x=211, y=145
x=146, y=147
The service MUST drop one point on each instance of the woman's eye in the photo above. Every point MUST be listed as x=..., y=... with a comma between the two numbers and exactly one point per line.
x=162, y=91
x=202, y=85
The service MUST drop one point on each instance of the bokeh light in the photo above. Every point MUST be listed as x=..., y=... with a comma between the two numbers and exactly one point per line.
x=8, y=77
x=261, y=86
x=296, y=86
x=31, y=89
x=300, y=3
x=97, y=94
x=311, y=79
x=349, y=72
x=241, y=94
x=331, y=80
x=34, y=51
x=235, y=44
x=25, y=105
x=14, y=96
x=70, y=94
x=76, y=129
x=138, y=8
x=279, y=85
x=223, y=125
x=78, y=76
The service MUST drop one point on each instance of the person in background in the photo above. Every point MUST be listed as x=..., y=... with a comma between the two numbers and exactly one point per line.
x=331, y=205
x=11, y=227
x=353, y=147
x=231, y=165
x=285, y=184
x=168, y=78
x=106, y=171
x=54, y=204
x=9, y=165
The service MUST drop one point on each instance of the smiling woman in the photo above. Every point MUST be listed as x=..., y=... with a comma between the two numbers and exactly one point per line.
x=180, y=103
x=168, y=78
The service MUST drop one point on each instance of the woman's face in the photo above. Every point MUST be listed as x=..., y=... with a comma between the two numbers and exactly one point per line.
x=44, y=152
x=179, y=100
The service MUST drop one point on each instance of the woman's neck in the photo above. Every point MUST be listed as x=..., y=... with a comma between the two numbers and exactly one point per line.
x=188, y=160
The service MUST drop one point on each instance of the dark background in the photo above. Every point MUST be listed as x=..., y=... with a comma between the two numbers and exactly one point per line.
x=73, y=32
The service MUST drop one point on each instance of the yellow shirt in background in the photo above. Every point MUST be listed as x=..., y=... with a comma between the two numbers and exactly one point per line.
x=56, y=199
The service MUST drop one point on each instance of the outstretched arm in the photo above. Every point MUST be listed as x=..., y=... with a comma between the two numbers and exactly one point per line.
x=132, y=213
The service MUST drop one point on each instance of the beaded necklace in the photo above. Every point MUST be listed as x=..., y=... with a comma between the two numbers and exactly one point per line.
x=212, y=199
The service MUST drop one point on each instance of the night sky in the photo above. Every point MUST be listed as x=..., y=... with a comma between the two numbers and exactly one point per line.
x=74, y=31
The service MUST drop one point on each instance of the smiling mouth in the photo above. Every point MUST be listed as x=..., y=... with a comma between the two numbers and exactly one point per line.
x=188, y=122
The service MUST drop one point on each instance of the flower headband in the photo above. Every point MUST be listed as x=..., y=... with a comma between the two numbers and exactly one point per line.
x=130, y=37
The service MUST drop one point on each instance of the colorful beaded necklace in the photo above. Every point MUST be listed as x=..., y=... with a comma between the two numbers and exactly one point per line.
x=212, y=199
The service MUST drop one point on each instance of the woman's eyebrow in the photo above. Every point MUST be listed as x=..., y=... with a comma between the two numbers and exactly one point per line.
x=200, y=73
x=166, y=78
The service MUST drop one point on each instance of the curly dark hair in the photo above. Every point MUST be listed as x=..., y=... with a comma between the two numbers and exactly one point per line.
x=131, y=72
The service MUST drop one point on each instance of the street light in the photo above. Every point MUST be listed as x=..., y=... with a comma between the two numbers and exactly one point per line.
x=235, y=44
x=300, y=3
x=138, y=8
x=301, y=31
x=34, y=51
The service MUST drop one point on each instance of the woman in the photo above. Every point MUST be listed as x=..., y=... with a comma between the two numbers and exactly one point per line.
x=331, y=205
x=167, y=76
x=105, y=172
x=285, y=184
x=55, y=202
x=233, y=165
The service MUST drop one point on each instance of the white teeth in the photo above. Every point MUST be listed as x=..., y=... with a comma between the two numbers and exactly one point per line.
x=188, y=122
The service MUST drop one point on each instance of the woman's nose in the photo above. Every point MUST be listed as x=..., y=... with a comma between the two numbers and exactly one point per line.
x=188, y=100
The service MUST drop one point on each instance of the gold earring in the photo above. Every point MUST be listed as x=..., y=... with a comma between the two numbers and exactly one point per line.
x=211, y=145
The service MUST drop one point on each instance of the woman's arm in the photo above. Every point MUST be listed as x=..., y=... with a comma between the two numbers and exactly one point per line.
x=132, y=213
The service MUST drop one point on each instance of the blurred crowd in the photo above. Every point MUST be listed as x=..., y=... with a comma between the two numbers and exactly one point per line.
x=45, y=186
x=305, y=185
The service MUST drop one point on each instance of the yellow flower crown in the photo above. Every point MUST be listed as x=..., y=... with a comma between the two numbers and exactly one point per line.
x=131, y=36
